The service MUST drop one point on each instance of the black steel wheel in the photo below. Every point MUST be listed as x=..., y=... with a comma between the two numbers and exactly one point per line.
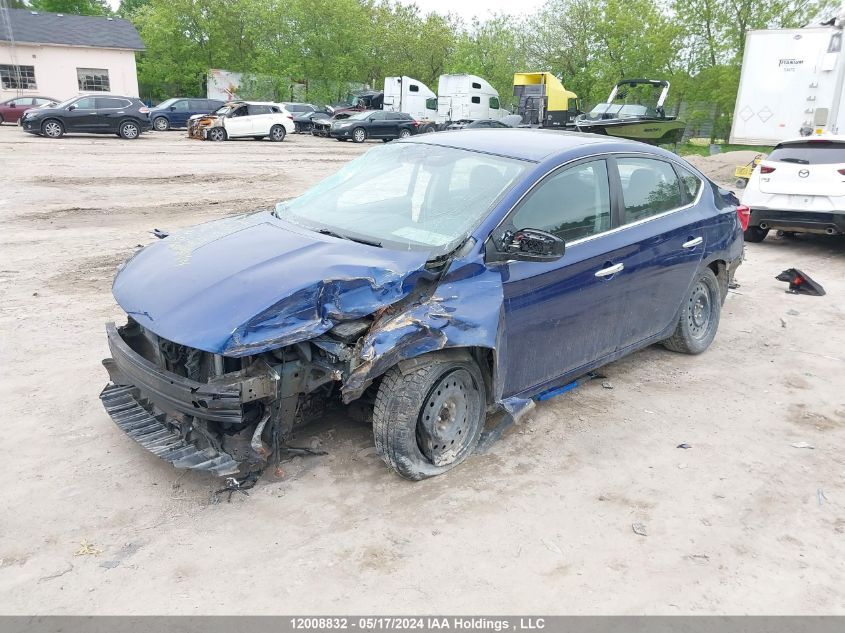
x=429, y=419
x=699, y=316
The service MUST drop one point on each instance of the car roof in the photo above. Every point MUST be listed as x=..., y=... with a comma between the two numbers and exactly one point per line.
x=525, y=144
x=837, y=138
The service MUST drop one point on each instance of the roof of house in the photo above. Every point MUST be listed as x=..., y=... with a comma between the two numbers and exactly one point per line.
x=35, y=27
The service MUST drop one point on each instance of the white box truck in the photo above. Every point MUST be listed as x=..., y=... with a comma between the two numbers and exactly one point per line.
x=791, y=84
x=406, y=94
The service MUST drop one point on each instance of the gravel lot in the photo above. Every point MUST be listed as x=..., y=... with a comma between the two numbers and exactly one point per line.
x=742, y=522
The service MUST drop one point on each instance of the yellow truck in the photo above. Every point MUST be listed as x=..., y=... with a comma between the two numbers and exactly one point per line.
x=544, y=102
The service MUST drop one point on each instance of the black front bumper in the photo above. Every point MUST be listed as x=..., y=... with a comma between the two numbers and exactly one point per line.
x=163, y=411
x=808, y=221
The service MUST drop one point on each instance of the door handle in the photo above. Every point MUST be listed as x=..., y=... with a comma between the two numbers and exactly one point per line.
x=693, y=242
x=610, y=270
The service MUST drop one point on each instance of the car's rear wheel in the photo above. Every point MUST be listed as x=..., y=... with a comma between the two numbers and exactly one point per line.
x=129, y=130
x=52, y=128
x=405, y=133
x=428, y=420
x=755, y=234
x=216, y=134
x=699, y=318
x=278, y=133
x=161, y=124
x=359, y=135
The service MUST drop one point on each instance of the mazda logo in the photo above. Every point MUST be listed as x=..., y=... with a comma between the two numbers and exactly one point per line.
x=804, y=173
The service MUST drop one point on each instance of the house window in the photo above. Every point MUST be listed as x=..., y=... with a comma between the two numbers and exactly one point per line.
x=93, y=79
x=17, y=77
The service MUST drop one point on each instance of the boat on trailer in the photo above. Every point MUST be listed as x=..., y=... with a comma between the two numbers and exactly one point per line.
x=636, y=121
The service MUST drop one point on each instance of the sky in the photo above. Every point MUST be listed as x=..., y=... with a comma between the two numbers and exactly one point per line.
x=464, y=8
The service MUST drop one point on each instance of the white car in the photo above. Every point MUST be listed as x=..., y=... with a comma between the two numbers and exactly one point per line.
x=243, y=119
x=799, y=187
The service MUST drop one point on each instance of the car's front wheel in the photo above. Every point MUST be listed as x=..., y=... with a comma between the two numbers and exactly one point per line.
x=359, y=135
x=216, y=134
x=52, y=128
x=699, y=317
x=277, y=133
x=755, y=234
x=428, y=420
x=161, y=124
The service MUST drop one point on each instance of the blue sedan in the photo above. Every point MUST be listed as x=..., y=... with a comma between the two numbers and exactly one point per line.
x=427, y=284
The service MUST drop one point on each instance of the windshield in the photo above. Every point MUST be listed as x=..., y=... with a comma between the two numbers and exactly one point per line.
x=408, y=196
x=66, y=102
x=226, y=108
x=167, y=103
x=815, y=152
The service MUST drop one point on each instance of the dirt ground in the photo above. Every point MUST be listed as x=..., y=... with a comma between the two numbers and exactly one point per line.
x=90, y=523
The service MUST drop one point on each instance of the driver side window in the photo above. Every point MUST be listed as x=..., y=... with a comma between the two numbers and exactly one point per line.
x=86, y=103
x=572, y=203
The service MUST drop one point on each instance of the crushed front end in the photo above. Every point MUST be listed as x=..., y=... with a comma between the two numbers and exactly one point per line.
x=198, y=126
x=204, y=411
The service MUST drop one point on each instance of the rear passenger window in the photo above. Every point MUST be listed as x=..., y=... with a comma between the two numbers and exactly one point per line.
x=572, y=203
x=259, y=109
x=690, y=185
x=649, y=187
x=104, y=103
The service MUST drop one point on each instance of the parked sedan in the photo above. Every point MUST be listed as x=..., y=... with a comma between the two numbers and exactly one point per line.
x=11, y=110
x=480, y=123
x=107, y=114
x=243, y=119
x=374, y=124
x=432, y=281
x=798, y=188
x=176, y=112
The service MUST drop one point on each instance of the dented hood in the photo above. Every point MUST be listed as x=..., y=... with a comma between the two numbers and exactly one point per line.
x=251, y=283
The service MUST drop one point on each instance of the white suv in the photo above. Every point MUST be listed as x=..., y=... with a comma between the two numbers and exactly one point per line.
x=799, y=187
x=243, y=119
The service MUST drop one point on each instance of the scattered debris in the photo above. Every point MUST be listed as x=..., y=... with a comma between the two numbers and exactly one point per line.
x=733, y=285
x=701, y=559
x=234, y=485
x=551, y=546
x=607, y=384
x=782, y=323
x=802, y=445
x=639, y=528
x=160, y=234
x=684, y=445
x=800, y=283
x=791, y=312
x=125, y=552
x=682, y=465
x=706, y=522
x=87, y=549
x=821, y=496
x=57, y=574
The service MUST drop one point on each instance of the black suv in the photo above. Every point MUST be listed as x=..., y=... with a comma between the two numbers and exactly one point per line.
x=374, y=124
x=89, y=114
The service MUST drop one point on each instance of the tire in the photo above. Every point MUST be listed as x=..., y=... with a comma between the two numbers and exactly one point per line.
x=699, y=316
x=404, y=133
x=161, y=124
x=278, y=133
x=129, y=130
x=52, y=128
x=740, y=183
x=755, y=234
x=216, y=134
x=2, y=120
x=406, y=432
x=359, y=135
x=386, y=140
x=342, y=140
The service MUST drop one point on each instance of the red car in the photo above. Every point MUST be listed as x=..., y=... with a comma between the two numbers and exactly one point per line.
x=12, y=109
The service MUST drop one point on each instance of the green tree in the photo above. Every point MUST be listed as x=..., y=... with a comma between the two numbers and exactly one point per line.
x=72, y=7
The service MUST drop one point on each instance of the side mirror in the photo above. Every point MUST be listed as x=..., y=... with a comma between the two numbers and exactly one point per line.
x=173, y=108
x=71, y=108
x=528, y=245
x=13, y=105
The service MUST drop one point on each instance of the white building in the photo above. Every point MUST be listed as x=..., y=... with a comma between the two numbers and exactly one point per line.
x=59, y=56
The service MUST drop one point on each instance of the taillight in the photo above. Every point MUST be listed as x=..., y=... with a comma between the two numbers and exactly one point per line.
x=415, y=123
x=841, y=171
x=744, y=215
x=766, y=169
x=144, y=110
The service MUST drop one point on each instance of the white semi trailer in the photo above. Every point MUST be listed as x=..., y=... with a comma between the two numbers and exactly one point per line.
x=791, y=84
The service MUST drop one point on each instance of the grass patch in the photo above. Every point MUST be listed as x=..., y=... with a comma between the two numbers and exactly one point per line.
x=704, y=150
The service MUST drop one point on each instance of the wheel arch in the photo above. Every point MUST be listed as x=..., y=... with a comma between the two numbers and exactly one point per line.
x=720, y=268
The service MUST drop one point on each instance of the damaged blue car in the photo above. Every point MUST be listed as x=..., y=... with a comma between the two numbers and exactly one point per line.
x=427, y=284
